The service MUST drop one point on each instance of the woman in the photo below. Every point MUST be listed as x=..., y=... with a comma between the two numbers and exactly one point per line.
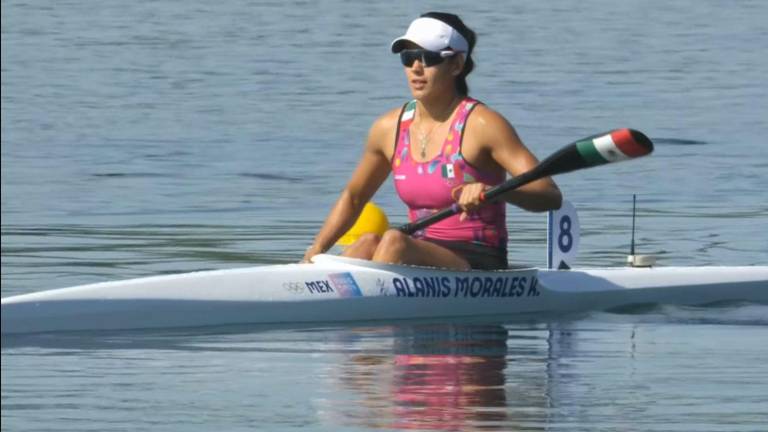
x=439, y=154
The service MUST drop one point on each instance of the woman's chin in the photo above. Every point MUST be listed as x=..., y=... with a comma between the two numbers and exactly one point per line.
x=418, y=93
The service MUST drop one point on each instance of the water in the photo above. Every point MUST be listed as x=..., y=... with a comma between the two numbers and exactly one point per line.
x=143, y=138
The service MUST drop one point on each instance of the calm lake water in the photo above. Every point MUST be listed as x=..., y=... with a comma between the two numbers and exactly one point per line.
x=141, y=138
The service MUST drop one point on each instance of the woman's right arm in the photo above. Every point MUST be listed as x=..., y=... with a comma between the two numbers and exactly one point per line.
x=371, y=171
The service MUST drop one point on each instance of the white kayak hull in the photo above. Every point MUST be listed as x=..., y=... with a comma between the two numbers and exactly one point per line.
x=336, y=290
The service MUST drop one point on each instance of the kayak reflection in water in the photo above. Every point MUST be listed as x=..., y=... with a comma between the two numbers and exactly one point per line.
x=443, y=148
x=439, y=377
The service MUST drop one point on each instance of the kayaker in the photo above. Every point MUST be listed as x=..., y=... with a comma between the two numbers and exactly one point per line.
x=442, y=147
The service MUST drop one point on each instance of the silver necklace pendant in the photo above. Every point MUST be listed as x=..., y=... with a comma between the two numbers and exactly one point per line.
x=424, y=141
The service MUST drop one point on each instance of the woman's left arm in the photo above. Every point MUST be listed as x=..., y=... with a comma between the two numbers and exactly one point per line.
x=495, y=137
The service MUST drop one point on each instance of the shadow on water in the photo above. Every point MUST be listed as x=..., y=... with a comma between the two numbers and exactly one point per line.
x=189, y=338
x=732, y=313
x=131, y=175
x=274, y=177
x=678, y=141
x=437, y=336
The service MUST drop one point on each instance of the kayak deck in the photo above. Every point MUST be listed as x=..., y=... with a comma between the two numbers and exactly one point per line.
x=335, y=289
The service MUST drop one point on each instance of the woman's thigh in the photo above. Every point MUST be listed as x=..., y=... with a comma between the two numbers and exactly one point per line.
x=398, y=248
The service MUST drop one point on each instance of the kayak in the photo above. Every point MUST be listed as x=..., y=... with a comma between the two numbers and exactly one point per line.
x=336, y=289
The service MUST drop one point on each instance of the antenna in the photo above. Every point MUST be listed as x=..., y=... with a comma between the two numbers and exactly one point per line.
x=632, y=259
x=634, y=207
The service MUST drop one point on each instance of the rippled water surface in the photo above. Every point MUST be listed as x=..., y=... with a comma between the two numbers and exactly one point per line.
x=143, y=138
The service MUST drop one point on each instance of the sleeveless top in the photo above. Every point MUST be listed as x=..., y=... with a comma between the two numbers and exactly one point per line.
x=427, y=187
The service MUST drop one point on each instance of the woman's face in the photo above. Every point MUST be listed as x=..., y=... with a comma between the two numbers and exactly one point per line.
x=426, y=80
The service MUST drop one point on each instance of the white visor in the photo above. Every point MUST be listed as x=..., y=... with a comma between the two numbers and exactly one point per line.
x=431, y=34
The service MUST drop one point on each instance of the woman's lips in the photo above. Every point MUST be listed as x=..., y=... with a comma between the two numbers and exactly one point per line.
x=418, y=83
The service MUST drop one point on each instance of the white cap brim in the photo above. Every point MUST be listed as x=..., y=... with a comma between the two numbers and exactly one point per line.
x=431, y=34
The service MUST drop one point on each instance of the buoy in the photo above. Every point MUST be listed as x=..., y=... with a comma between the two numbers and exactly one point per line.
x=371, y=220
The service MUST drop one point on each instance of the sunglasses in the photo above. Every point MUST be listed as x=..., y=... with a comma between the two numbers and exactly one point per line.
x=426, y=57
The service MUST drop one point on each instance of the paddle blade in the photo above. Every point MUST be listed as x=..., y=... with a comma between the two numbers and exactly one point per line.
x=615, y=146
x=371, y=220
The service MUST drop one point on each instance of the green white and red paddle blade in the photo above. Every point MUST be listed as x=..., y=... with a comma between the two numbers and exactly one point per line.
x=614, y=146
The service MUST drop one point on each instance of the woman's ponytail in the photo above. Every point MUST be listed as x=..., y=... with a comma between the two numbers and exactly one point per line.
x=461, y=81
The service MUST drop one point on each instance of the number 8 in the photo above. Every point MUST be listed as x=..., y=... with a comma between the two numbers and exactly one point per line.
x=565, y=239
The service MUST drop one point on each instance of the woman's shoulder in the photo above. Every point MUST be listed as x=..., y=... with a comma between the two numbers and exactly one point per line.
x=489, y=120
x=387, y=121
x=391, y=116
x=384, y=129
x=487, y=114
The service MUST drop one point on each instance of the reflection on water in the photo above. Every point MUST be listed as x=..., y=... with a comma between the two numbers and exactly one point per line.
x=447, y=378
x=443, y=377
x=438, y=377
x=605, y=368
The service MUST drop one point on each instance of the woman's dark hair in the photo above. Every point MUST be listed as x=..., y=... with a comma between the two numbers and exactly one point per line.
x=454, y=21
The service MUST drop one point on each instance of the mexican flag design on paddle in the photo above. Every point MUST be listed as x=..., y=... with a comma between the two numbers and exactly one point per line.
x=616, y=146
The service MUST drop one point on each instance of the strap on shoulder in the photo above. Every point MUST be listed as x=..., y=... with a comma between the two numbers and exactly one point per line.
x=409, y=110
x=403, y=123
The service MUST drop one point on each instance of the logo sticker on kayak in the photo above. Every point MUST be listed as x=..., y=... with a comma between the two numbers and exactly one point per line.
x=345, y=285
x=468, y=287
x=294, y=287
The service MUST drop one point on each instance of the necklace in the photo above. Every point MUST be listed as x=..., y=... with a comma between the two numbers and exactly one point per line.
x=424, y=137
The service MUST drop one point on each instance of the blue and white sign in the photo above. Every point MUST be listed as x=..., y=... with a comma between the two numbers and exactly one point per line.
x=562, y=236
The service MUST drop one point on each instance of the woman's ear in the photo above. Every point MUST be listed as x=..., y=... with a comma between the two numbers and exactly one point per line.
x=458, y=64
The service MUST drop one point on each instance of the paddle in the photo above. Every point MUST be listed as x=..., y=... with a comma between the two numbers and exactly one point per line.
x=601, y=149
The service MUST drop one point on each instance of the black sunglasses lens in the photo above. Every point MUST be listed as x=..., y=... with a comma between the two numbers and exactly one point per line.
x=407, y=57
x=432, y=58
x=427, y=58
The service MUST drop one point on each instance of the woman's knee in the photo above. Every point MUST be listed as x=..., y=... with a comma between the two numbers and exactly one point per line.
x=364, y=247
x=393, y=242
x=368, y=241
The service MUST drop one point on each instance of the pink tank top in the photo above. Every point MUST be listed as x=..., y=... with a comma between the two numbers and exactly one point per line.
x=426, y=187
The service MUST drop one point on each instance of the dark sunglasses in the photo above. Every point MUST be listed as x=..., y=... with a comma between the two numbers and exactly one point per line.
x=427, y=58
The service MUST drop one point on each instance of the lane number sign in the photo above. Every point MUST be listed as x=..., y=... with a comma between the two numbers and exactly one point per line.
x=562, y=236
